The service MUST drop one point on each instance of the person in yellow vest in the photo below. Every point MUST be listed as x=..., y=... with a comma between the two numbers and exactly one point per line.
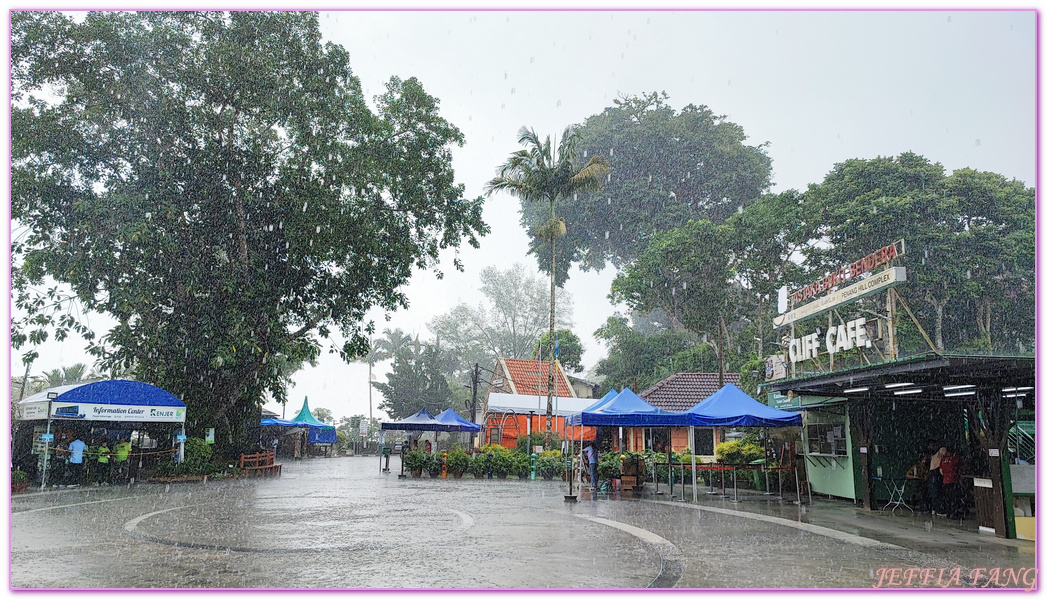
x=102, y=456
x=121, y=452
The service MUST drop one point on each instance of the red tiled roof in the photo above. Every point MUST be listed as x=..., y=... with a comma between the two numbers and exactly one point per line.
x=681, y=391
x=532, y=377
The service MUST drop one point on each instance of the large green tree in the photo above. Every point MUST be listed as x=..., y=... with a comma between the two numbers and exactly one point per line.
x=216, y=182
x=968, y=238
x=415, y=382
x=667, y=167
x=545, y=173
x=686, y=273
x=566, y=347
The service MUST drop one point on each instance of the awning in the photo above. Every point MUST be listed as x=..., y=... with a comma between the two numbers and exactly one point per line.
x=730, y=406
x=108, y=400
x=421, y=421
x=450, y=417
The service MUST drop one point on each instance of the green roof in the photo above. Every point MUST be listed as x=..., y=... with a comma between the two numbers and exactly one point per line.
x=306, y=415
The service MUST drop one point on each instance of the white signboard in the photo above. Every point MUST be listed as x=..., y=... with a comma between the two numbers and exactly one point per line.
x=363, y=427
x=110, y=412
x=32, y=412
x=775, y=367
x=878, y=282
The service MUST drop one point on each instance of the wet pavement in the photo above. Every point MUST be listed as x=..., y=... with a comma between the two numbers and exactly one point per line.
x=339, y=523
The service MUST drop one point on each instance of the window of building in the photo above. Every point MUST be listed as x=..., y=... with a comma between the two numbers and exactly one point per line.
x=826, y=438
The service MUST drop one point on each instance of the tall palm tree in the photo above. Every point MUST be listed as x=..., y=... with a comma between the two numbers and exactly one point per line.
x=538, y=173
x=378, y=351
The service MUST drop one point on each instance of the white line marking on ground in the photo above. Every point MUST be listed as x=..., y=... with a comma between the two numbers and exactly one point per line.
x=816, y=529
x=467, y=521
x=32, y=510
x=129, y=526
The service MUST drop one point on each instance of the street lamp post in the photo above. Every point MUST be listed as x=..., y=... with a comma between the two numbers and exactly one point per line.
x=47, y=439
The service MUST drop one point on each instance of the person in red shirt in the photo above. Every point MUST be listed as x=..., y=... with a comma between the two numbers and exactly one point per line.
x=950, y=467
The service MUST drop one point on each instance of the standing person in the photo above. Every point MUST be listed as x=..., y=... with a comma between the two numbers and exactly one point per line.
x=76, y=461
x=121, y=452
x=950, y=468
x=918, y=475
x=103, y=461
x=934, y=483
x=591, y=456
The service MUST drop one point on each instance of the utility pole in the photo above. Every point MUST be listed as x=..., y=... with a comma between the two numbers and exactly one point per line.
x=476, y=382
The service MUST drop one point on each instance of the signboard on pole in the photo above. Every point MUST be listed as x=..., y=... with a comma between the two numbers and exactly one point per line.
x=877, y=283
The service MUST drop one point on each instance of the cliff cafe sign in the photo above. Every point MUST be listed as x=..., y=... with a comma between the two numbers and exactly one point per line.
x=840, y=338
x=852, y=333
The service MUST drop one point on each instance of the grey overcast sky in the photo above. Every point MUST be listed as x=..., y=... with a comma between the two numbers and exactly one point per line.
x=819, y=87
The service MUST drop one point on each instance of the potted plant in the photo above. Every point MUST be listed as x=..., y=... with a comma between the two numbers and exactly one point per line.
x=19, y=481
x=550, y=464
x=457, y=462
x=434, y=464
x=414, y=461
x=521, y=464
x=480, y=465
x=497, y=460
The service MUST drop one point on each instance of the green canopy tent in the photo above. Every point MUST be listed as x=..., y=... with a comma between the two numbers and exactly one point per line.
x=319, y=432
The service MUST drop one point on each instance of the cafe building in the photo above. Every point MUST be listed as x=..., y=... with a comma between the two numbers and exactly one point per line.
x=876, y=395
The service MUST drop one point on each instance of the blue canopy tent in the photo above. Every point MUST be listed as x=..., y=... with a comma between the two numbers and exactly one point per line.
x=576, y=418
x=450, y=417
x=626, y=410
x=108, y=400
x=318, y=432
x=112, y=405
x=422, y=420
x=730, y=406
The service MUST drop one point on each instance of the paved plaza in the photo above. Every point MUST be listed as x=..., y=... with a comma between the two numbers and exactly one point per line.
x=340, y=523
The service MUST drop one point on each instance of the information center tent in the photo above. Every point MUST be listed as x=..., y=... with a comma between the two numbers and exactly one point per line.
x=730, y=406
x=111, y=405
x=450, y=417
x=319, y=432
x=116, y=400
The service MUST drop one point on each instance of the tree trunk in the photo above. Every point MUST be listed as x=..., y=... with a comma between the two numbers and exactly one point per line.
x=552, y=327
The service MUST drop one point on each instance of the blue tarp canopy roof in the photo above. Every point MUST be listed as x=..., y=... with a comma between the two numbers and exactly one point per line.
x=576, y=418
x=319, y=433
x=421, y=421
x=730, y=406
x=107, y=400
x=627, y=410
x=450, y=417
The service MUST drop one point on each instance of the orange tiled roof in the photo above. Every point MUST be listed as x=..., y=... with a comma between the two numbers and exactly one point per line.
x=532, y=377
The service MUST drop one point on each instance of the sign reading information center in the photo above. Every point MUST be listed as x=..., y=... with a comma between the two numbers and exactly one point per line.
x=108, y=412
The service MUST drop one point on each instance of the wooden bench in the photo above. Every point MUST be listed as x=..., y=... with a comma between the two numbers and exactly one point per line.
x=261, y=463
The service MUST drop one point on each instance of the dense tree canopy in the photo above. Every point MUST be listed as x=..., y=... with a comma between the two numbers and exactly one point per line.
x=415, y=382
x=216, y=182
x=968, y=237
x=566, y=347
x=667, y=167
x=969, y=259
